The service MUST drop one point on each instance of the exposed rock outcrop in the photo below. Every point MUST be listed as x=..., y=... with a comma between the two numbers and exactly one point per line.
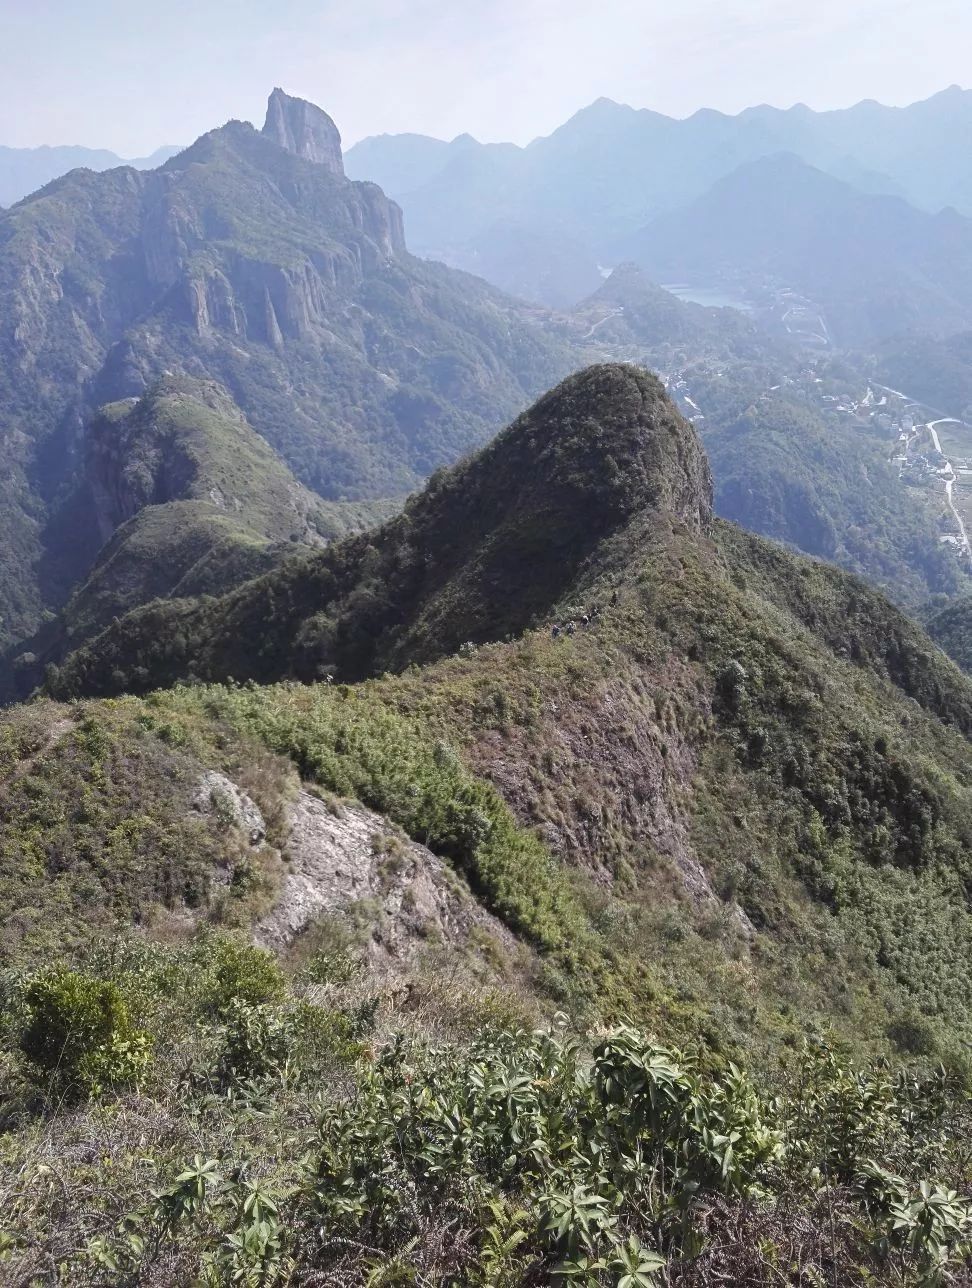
x=250, y=258
x=345, y=855
x=220, y=796
x=305, y=130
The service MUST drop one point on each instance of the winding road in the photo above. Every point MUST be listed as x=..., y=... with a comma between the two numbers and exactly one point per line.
x=613, y=314
x=950, y=482
x=964, y=544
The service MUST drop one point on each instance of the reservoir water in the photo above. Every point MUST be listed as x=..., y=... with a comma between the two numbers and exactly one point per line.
x=711, y=296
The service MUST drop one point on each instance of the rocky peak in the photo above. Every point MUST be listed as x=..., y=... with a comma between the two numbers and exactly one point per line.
x=304, y=130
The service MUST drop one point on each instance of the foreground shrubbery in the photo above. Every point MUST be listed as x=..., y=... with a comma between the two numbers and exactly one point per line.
x=210, y=1120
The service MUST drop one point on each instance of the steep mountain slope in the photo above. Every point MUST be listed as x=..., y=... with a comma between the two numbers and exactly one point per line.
x=876, y=265
x=951, y=628
x=24, y=170
x=737, y=738
x=936, y=371
x=486, y=550
x=784, y=471
x=250, y=259
x=732, y=806
x=179, y=496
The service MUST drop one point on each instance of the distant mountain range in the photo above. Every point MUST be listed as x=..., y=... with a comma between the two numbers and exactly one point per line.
x=543, y=222
x=611, y=170
x=207, y=367
x=24, y=170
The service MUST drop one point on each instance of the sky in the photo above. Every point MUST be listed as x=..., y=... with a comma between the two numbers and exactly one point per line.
x=131, y=75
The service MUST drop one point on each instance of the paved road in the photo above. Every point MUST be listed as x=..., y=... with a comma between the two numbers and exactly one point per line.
x=950, y=482
x=613, y=314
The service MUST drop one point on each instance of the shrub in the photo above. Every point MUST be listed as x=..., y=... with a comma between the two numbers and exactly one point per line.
x=332, y=1155
x=239, y=973
x=257, y=1041
x=79, y=1032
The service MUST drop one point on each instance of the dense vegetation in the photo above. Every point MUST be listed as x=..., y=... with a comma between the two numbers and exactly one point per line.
x=731, y=711
x=951, y=628
x=192, y=501
x=782, y=470
x=939, y=372
x=631, y=311
x=483, y=551
x=508, y=1157
x=363, y=368
x=539, y=880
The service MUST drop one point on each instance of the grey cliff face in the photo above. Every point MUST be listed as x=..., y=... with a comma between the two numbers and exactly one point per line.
x=304, y=130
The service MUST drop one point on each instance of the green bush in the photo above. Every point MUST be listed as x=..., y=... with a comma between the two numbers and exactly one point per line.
x=79, y=1032
x=237, y=973
x=269, y=1041
x=352, y=744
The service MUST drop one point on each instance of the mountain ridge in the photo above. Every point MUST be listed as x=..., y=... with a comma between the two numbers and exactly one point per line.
x=611, y=169
x=178, y=495
x=679, y=779
x=291, y=286
x=24, y=171
x=868, y=111
x=538, y=877
x=552, y=484
x=729, y=718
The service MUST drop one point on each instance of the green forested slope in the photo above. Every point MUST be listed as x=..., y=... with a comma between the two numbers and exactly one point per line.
x=784, y=471
x=732, y=809
x=242, y=262
x=715, y=668
x=188, y=500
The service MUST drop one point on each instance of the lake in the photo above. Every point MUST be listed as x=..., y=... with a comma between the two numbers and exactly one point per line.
x=711, y=296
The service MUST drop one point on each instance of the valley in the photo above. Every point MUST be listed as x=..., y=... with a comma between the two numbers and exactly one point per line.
x=313, y=339
x=870, y=431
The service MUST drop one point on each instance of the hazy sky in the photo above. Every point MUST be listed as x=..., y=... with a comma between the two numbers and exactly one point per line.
x=132, y=74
